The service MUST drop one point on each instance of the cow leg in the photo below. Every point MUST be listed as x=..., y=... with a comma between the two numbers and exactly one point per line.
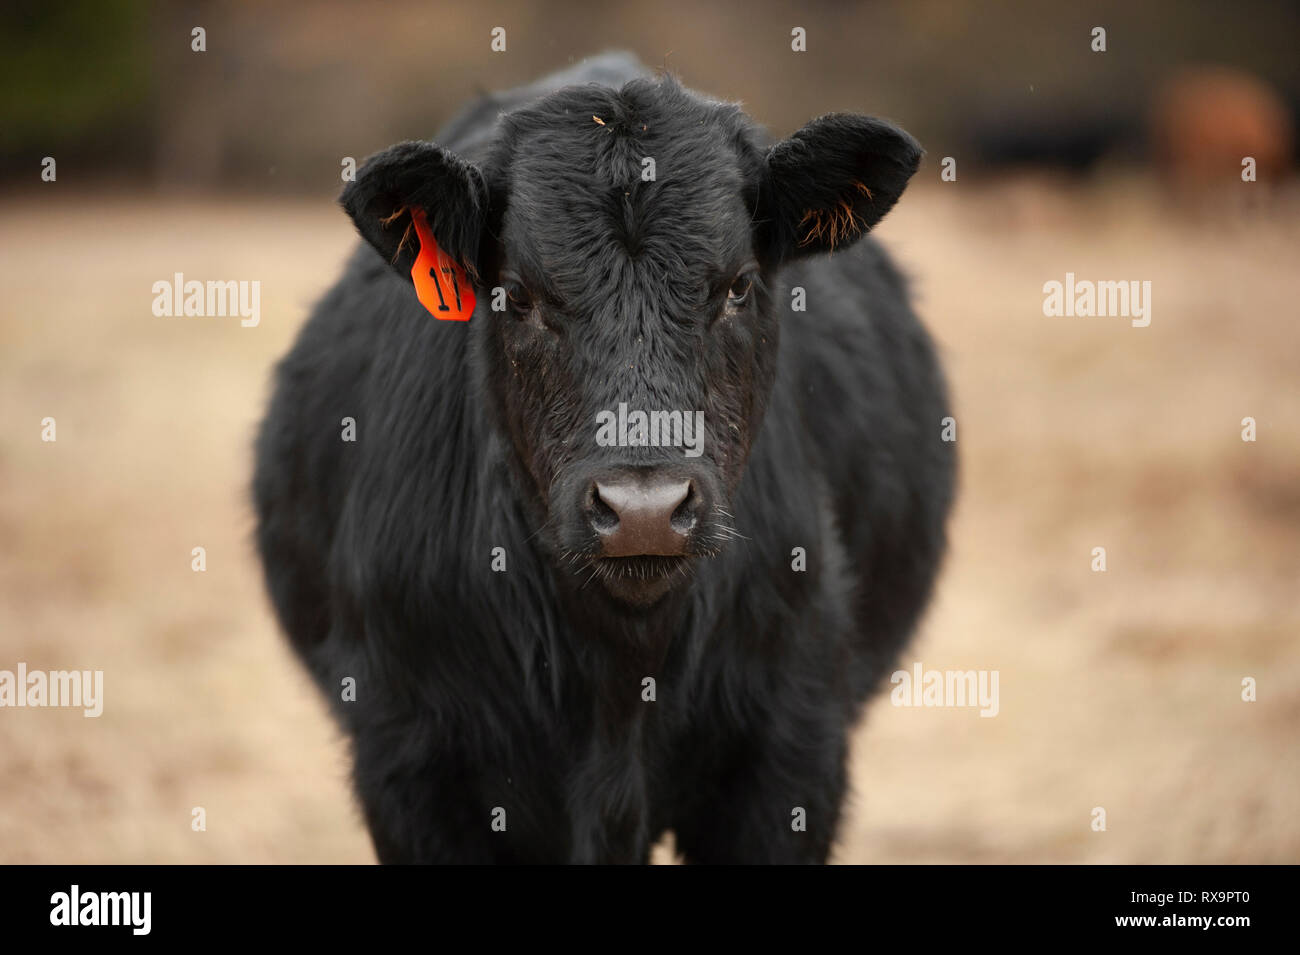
x=777, y=799
x=423, y=811
x=433, y=803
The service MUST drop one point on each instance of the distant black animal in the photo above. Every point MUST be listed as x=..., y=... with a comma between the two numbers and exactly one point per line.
x=554, y=630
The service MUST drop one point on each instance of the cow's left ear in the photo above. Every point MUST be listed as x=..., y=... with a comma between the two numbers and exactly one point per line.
x=831, y=182
x=451, y=192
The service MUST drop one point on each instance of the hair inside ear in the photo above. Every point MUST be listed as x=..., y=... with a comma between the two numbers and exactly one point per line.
x=421, y=176
x=408, y=232
x=833, y=180
x=837, y=225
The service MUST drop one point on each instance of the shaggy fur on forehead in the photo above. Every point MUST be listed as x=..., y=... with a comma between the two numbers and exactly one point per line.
x=568, y=175
x=650, y=110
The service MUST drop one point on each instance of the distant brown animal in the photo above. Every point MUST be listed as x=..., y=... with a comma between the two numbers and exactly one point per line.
x=1206, y=121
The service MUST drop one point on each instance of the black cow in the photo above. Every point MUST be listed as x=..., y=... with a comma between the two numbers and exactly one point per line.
x=547, y=647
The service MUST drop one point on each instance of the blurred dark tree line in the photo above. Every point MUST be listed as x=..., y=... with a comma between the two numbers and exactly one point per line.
x=115, y=91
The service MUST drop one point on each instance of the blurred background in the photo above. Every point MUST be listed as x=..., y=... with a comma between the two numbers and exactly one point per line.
x=1119, y=690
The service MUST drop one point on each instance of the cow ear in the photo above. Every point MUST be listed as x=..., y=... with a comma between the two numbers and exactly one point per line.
x=417, y=175
x=832, y=181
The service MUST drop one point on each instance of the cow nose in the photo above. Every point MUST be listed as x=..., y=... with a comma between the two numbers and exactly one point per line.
x=640, y=516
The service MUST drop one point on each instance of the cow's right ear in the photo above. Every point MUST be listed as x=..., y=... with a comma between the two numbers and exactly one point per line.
x=418, y=175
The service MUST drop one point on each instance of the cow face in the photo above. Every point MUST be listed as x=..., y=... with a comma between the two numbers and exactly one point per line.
x=626, y=245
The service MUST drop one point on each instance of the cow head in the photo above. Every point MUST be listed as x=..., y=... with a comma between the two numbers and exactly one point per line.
x=625, y=246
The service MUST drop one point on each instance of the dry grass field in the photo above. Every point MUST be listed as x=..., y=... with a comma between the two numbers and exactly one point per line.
x=1119, y=689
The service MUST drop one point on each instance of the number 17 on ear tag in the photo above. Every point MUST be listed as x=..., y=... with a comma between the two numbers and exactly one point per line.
x=440, y=282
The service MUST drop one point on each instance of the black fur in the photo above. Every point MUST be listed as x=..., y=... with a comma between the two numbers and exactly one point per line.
x=523, y=690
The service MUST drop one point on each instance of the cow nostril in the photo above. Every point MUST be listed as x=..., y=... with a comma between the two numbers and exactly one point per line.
x=684, y=517
x=603, y=517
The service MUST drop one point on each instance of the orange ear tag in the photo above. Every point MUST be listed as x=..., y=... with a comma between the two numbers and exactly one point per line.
x=440, y=282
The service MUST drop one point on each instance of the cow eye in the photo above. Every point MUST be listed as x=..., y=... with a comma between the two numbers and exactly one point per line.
x=520, y=301
x=738, y=294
